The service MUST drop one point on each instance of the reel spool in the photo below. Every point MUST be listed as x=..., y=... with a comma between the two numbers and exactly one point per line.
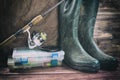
x=36, y=39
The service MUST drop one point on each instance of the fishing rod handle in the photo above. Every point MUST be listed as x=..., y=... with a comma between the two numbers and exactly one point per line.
x=36, y=20
x=33, y=22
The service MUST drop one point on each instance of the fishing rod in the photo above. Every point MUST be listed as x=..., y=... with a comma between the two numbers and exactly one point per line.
x=33, y=22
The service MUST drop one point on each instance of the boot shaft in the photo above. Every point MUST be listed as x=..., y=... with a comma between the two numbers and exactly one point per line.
x=68, y=20
x=88, y=13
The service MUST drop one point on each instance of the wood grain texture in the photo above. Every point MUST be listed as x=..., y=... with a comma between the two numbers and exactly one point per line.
x=59, y=73
x=107, y=28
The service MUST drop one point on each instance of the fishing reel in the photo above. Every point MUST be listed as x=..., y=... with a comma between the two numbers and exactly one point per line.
x=36, y=39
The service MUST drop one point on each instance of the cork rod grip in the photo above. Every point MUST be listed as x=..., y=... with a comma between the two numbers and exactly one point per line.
x=33, y=22
x=36, y=20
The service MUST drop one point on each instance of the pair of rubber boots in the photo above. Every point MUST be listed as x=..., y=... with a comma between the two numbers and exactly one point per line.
x=76, y=26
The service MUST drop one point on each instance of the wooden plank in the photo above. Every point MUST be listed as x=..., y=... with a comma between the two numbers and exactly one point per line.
x=108, y=9
x=60, y=73
x=62, y=77
x=71, y=75
x=107, y=28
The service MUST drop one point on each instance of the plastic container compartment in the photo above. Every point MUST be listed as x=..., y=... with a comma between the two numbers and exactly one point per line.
x=29, y=53
x=24, y=58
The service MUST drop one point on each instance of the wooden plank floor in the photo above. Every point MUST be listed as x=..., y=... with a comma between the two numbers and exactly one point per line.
x=59, y=73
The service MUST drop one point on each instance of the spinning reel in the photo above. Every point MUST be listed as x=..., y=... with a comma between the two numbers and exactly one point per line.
x=36, y=39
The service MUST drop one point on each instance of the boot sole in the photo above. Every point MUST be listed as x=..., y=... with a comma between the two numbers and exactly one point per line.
x=88, y=69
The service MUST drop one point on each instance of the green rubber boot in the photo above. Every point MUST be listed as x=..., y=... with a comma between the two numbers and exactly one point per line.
x=75, y=55
x=88, y=14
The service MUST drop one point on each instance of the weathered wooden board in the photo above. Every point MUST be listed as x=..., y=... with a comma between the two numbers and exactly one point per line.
x=60, y=73
x=107, y=29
